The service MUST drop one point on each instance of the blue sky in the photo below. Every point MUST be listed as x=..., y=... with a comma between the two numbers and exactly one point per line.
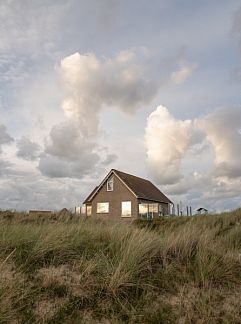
x=150, y=88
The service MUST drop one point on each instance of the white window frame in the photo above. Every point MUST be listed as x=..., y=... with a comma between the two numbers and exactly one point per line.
x=122, y=208
x=110, y=182
x=108, y=208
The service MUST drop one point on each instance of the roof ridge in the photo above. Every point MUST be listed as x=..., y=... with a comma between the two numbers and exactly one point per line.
x=132, y=175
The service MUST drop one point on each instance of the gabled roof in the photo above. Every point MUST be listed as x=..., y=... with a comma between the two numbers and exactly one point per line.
x=89, y=198
x=141, y=188
x=201, y=208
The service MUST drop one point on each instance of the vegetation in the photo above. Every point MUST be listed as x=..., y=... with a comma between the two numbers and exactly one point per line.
x=173, y=270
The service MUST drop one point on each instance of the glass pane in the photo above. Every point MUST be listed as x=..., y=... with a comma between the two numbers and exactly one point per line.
x=143, y=210
x=110, y=184
x=102, y=208
x=126, y=208
x=89, y=210
x=153, y=208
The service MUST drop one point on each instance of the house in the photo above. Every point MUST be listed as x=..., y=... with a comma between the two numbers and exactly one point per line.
x=202, y=211
x=121, y=195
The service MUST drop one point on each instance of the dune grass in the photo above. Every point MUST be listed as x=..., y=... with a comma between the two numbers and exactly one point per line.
x=171, y=270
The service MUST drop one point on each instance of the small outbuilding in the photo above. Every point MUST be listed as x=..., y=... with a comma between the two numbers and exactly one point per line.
x=202, y=211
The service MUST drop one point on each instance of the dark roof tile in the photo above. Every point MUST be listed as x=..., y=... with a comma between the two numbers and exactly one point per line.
x=142, y=188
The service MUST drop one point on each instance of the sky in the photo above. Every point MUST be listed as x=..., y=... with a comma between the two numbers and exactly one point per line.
x=149, y=88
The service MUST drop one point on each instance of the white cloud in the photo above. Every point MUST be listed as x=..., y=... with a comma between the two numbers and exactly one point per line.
x=167, y=140
x=197, y=160
x=184, y=72
x=92, y=84
x=222, y=128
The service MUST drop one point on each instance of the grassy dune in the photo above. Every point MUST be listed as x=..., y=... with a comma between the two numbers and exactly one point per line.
x=174, y=270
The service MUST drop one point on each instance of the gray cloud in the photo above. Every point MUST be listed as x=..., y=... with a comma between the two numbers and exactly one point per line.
x=5, y=168
x=5, y=138
x=27, y=27
x=32, y=191
x=68, y=153
x=236, y=28
x=27, y=149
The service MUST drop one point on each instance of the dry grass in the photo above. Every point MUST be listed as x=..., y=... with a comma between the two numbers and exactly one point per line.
x=68, y=270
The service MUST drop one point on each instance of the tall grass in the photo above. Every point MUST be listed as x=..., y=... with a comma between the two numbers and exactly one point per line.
x=172, y=270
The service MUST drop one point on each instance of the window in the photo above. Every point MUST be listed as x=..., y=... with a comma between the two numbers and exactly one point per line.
x=83, y=209
x=110, y=184
x=88, y=210
x=143, y=210
x=161, y=210
x=102, y=208
x=148, y=211
x=153, y=210
x=126, y=209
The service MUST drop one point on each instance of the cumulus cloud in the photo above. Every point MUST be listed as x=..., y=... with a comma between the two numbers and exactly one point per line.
x=167, y=140
x=122, y=82
x=27, y=149
x=68, y=152
x=184, y=72
x=223, y=131
x=5, y=138
x=126, y=82
x=91, y=84
x=196, y=159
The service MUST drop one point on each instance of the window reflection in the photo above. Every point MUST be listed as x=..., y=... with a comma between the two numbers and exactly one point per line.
x=126, y=209
x=102, y=208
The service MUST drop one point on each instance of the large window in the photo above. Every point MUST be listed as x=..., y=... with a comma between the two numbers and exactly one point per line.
x=148, y=210
x=110, y=184
x=126, y=209
x=102, y=208
x=143, y=210
x=88, y=210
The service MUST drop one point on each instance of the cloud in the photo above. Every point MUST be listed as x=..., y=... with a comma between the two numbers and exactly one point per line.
x=92, y=84
x=196, y=160
x=5, y=168
x=30, y=28
x=68, y=153
x=167, y=140
x=5, y=138
x=236, y=28
x=27, y=149
x=183, y=73
x=126, y=82
x=223, y=131
x=27, y=191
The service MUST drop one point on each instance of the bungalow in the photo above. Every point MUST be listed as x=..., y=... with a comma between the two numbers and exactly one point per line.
x=122, y=195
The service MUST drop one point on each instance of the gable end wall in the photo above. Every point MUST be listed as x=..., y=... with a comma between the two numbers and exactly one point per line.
x=115, y=197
